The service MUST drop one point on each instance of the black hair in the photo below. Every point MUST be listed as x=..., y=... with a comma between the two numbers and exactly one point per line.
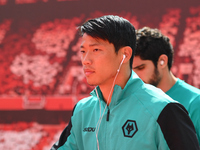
x=151, y=43
x=116, y=30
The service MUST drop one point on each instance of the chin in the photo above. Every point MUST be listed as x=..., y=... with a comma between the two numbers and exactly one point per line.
x=91, y=83
x=144, y=81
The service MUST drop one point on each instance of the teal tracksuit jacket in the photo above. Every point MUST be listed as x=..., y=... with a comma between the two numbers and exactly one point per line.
x=139, y=117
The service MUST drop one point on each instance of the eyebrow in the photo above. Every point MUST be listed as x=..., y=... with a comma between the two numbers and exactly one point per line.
x=91, y=45
x=139, y=66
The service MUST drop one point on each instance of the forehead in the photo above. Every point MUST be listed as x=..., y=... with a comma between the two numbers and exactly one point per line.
x=91, y=41
x=137, y=61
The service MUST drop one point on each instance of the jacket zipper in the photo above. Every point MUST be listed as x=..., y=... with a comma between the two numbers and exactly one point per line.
x=108, y=115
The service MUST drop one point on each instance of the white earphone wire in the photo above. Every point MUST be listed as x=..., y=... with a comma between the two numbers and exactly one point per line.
x=101, y=116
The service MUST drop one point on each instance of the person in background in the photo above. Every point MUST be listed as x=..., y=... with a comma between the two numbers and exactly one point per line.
x=152, y=63
x=122, y=113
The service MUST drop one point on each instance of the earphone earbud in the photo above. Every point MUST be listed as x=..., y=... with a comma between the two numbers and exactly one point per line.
x=162, y=62
x=124, y=56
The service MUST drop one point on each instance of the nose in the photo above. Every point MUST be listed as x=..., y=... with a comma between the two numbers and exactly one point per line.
x=86, y=59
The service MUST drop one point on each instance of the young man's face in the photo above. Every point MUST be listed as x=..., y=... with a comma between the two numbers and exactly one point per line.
x=99, y=60
x=146, y=70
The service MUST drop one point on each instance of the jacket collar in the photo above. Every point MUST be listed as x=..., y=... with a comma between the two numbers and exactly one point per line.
x=119, y=94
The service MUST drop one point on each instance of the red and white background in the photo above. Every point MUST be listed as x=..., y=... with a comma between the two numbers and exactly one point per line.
x=41, y=77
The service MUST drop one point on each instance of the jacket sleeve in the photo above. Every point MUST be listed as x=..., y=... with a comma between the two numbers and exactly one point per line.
x=64, y=135
x=195, y=115
x=177, y=128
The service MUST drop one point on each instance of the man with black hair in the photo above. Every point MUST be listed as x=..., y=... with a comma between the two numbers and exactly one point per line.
x=153, y=61
x=123, y=112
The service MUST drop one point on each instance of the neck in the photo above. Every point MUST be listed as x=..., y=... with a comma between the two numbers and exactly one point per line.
x=167, y=81
x=121, y=80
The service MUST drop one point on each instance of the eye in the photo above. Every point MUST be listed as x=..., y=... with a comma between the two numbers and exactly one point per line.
x=82, y=51
x=140, y=67
x=96, y=49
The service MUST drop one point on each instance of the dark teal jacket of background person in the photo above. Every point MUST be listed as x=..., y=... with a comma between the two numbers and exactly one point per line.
x=139, y=117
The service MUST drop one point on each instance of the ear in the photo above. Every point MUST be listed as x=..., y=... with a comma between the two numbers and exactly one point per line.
x=127, y=51
x=162, y=61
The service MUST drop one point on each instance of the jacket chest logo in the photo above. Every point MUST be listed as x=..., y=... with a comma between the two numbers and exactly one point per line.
x=129, y=128
x=89, y=129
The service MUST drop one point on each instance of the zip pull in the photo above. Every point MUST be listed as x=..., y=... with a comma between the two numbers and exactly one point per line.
x=108, y=115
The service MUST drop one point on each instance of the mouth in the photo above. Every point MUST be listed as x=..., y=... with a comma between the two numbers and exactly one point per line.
x=88, y=72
